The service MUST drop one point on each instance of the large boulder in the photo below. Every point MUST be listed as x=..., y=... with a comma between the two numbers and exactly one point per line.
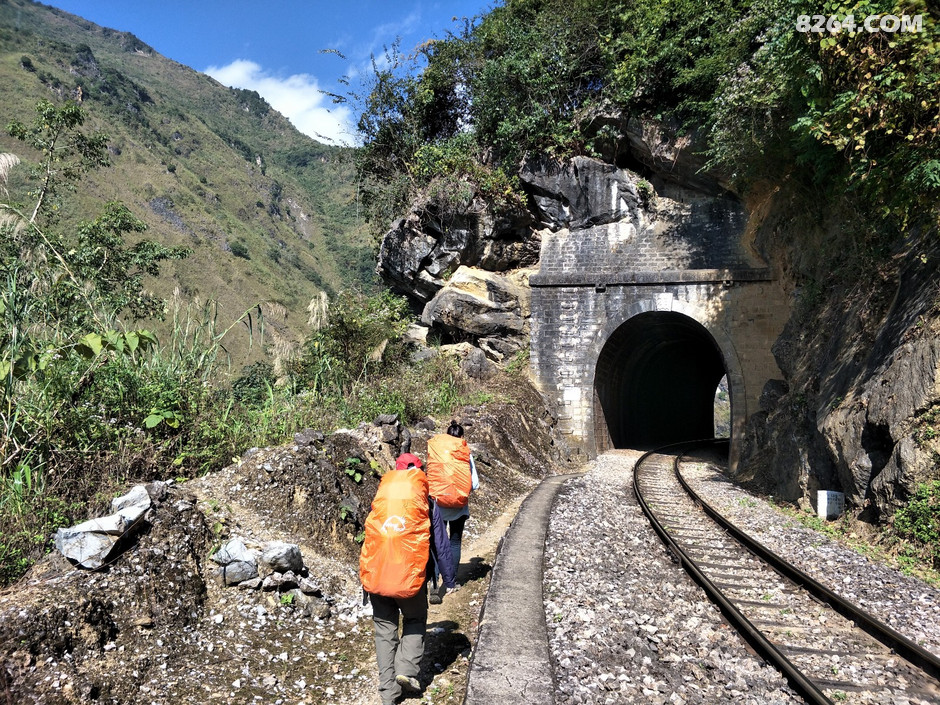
x=481, y=303
x=581, y=192
x=239, y=571
x=281, y=557
x=90, y=544
x=234, y=551
x=665, y=153
x=420, y=252
x=414, y=254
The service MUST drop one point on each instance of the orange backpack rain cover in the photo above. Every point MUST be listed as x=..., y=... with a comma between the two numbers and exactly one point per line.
x=449, y=470
x=394, y=557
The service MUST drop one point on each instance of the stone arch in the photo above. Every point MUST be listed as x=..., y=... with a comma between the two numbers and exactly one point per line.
x=663, y=356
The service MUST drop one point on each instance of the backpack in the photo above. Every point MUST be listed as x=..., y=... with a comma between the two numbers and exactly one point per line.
x=449, y=470
x=394, y=557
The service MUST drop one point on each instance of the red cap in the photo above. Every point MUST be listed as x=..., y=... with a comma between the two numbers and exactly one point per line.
x=405, y=460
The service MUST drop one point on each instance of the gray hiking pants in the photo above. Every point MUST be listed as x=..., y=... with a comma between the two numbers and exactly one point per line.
x=398, y=655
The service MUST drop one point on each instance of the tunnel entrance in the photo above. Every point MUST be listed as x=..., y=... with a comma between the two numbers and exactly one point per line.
x=655, y=383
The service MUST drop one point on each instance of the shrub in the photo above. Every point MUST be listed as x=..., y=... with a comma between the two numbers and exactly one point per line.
x=254, y=384
x=919, y=520
x=239, y=250
x=361, y=339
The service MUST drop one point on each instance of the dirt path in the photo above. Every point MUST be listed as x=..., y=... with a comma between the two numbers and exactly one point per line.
x=452, y=625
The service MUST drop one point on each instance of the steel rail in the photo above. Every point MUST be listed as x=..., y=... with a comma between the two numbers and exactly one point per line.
x=798, y=681
x=900, y=644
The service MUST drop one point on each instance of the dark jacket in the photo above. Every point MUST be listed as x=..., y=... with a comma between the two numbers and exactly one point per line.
x=440, y=548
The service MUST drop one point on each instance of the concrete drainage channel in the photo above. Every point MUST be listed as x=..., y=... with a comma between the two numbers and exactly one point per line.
x=511, y=662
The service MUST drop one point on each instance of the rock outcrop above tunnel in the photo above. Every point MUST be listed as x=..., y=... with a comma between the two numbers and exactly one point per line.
x=585, y=215
x=583, y=192
x=422, y=251
x=600, y=219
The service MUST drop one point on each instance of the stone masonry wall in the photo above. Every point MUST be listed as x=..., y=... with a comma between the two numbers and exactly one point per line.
x=611, y=250
x=698, y=239
x=571, y=325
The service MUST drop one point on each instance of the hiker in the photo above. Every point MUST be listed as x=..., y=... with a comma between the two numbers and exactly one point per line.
x=452, y=475
x=404, y=534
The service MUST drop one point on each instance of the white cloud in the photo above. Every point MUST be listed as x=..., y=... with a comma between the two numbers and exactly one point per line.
x=296, y=97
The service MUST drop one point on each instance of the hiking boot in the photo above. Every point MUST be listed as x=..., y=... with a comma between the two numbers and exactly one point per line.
x=408, y=684
x=434, y=597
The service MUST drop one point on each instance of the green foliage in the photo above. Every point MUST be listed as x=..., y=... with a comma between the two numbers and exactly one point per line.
x=68, y=153
x=353, y=470
x=25, y=529
x=89, y=400
x=84, y=399
x=857, y=108
x=62, y=292
x=239, y=250
x=255, y=383
x=529, y=77
x=519, y=362
x=251, y=101
x=919, y=519
x=452, y=169
x=537, y=66
x=14, y=561
x=116, y=271
x=392, y=130
x=897, y=545
x=667, y=58
x=362, y=337
x=875, y=102
x=91, y=269
x=926, y=429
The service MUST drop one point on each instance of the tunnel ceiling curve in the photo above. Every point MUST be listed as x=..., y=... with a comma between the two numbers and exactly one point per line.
x=655, y=382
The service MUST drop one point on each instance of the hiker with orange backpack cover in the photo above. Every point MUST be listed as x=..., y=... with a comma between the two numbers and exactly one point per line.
x=405, y=536
x=452, y=475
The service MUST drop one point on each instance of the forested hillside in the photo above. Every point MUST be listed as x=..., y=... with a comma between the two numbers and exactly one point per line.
x=269, y=214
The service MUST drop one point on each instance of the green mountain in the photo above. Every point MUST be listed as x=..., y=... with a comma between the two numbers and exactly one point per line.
x=270, y=214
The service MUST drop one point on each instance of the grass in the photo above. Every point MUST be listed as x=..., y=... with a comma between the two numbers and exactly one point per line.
x=881, y=545
x=214, y=428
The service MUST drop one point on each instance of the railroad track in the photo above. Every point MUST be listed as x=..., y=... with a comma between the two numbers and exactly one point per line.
x=828, y=649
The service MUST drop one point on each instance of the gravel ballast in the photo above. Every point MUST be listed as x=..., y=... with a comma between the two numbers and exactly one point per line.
x=626, y=624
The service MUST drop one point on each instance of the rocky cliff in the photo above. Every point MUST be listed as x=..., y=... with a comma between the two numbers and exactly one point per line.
x=857, y=408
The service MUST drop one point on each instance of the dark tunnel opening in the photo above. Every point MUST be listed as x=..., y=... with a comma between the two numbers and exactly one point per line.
x=656, y=382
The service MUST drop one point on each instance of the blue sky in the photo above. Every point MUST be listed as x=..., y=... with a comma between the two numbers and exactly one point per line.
x=275, y=47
